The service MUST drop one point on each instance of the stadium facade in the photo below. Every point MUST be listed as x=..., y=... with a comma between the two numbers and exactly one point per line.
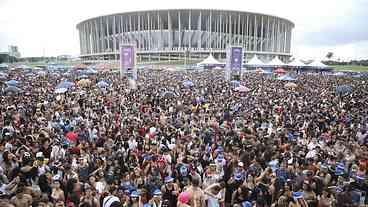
x=161, y=35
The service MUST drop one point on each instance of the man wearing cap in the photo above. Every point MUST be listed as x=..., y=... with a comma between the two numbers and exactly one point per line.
x=156, y=200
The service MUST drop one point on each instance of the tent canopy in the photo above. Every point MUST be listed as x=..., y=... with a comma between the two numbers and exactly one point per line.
x=296, y=63
x=275, y=62
x=255, y=61
x=210, y=60
x=317, y=64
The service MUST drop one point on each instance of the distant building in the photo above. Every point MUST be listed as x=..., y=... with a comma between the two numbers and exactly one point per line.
x=173, y=34
x=5, y=57
x=13, y=51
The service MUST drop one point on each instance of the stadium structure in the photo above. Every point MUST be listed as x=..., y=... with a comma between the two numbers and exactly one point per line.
x=169, y=35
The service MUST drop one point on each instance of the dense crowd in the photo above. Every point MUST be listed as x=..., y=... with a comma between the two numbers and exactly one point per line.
x=160, y=143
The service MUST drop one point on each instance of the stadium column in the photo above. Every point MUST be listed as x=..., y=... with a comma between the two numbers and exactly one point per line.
x=220, y=31
x=80, y=40
x=85, y=38
x=149, y=31
x=247, y=33
x=88, y=39
x=160, y=31
x=285, y=36
x=190, y=30
x=108, y=34
x=101, y=36
x=242, y=26
x=179, y=28
x=268, y=35
x=255, y=30
x=92, y=29
x=238, y=31
x=139, y=46
x=289, y=39
x=226, y=31
x=114, y=36
x=96, y=36
x=199, y=46
x=92, y=37
x=262, y=38
x=273, y=34
x=169, y=30
x=210, y=31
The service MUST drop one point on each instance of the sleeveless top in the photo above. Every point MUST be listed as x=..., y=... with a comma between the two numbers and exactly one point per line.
x=169, y=196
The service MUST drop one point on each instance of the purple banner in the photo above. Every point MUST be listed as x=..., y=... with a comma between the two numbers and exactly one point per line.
x=236, y=58
x=126, y=57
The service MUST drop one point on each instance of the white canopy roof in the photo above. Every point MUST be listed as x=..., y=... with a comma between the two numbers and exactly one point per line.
x=210, y=60
x=275, y=62
x=317, y=64
x=255, y=61
x=296, y=63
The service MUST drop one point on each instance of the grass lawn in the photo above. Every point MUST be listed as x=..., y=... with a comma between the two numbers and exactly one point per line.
x=355, y=68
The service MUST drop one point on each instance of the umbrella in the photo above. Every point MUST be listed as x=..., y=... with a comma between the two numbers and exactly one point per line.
x=65, y=84
x=102, y=84
x=90, y=71
x=235, y=83
x=12, y=89
x=61, y=90
x=344, y=89
x=71, y=136
x=242, y=89
x=3, y=78
x=259, y=70
x=67, y=74
x=279, y=70
x=168, y=94
x=188, y=83
x=84, y=82
x=12, y=83
x=291, y=85
x=83, y=77
x=41, y=73
x=286, y=78
x=339, y=74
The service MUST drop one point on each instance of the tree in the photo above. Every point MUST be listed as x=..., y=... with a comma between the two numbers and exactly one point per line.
x=329, y=55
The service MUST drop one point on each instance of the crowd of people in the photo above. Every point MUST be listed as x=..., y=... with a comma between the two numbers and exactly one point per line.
x=157, y=142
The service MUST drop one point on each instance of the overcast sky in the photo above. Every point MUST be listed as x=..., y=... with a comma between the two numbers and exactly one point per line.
x=48, y=27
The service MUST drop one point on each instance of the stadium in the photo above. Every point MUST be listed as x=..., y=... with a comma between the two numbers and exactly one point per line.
x=170, y=35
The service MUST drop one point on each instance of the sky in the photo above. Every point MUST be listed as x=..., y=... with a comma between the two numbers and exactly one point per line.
x=48, y=27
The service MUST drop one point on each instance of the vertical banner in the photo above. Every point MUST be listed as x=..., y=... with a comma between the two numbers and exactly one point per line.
x=127, y=60
x=236, y=58
x=234, y=61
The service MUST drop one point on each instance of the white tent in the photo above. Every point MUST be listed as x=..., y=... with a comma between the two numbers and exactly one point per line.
x=255, y=62
x=317, y=64
x=4, y=66
x=296, y=63
x=276, y=62
x=210, y=60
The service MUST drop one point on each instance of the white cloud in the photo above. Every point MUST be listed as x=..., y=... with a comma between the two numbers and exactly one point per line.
x=50, y=25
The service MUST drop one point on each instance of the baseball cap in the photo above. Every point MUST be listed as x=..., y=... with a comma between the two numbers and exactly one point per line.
x=157, y=192
x=134, y=194
x=169, y=179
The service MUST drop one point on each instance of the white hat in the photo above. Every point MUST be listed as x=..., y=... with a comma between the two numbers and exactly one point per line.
x=241, y=164
x=56, y=178
x=109, y=200
x=8, y=146
x=39, y=154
